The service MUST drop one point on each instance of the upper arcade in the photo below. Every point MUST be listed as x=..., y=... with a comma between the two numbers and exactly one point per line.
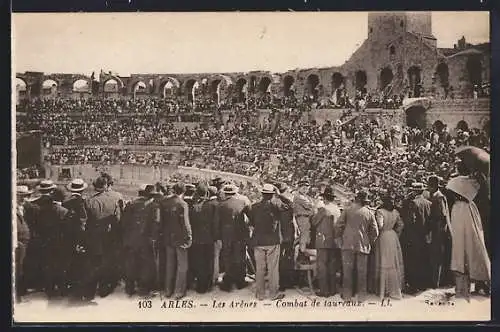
x=399, y=57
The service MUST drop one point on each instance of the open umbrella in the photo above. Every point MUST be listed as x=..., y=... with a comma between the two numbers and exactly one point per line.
x=475, y=159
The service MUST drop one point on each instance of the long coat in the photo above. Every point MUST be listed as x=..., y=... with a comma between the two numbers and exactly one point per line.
x=358, y=228
x=233, y=227
x=176, y=228
x=468, y=247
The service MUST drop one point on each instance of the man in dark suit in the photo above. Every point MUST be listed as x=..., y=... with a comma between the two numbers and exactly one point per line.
x=51, y=219
x=234, y=233
x=439, y=233
x=177, y=233
x=417, y=264
x=327, y=243
x=202, y=216
x=103, y=212
x=140, y=223
x=358, y=229
x=75, y=231
x=264, y=217
x=23, y=238
x=288, y=231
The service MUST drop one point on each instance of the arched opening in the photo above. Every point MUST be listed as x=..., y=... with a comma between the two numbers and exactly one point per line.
x=49, y=87
x=252, y=84
x=140, y=88
x=111, y=86
x=241, y=90
x=386, y=77
x=337, y=81
x=415, y=80
x=443, y=75
x=21, y=88
x=168, y=90
x=360, y=81
x=264, y=85
x=190, y=90
x=312, y=86
x=81, y=86
x=204, y=86
x=462, y=125
x=474, y=70
x=215, y=90
x=288, y=86
x=438, y=126
x=415, y=117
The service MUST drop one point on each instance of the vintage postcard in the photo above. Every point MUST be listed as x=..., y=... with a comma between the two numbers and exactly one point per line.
x=251, y=167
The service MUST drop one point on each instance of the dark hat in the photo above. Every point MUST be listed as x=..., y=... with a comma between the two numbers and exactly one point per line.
x=201, y=190
x=108, y=177
x=230, y=189
x=328, y=193
x=148, y=189
x=58, y=194
x=46, y=186
x=100, y=183
x=434, y=180
x=179, y=188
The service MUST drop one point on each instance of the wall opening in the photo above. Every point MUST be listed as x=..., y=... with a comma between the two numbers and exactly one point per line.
x=415, y=117
x=360, y=81
x=252, y=84
x=386, y=77
x=190, y=90
x=49, y=88
x=474, y=70
x=443, y=75
x=312, y=86
x=288, y=86
x=168, y=90
x=264, y=84
x=81, y=86
x=415, y=81
x=140, y=88
x=241, y=87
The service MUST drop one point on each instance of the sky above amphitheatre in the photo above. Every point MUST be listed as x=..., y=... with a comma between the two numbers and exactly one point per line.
x=205, y=42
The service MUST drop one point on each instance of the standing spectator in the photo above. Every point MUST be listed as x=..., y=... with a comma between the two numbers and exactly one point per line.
x=288, y=231
x=469, y=257
x=417, y=237
x=178, y=238
x=23, y=238
x=358, y=229
x=439, y=229
x=327, y=243
x=388, y=278
x=234, y=234
x=140, y=225
x=303, y=210
x=265, y=219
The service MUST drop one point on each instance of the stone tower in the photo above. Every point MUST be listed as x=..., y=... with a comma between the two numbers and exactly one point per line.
x=385, y=27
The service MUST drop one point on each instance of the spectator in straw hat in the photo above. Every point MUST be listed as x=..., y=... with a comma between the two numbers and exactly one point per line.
x=234, y=233
x=264, y=217
x=77, y=226
x=327, y=243
x=23, y=238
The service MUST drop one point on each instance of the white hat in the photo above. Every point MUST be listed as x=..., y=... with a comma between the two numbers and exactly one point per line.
x=23, y=190
x=77, y=185
x=46, y=185
x=268, y=189
x=230, y=189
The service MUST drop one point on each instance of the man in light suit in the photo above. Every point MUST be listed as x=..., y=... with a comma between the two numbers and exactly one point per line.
x=358, y=229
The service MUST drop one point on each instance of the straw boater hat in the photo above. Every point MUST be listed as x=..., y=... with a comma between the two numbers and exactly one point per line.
x=268, y=189
x=230, y=189
x=23, y=191
x=418, y=186
x=46, y=186
x=77, y=185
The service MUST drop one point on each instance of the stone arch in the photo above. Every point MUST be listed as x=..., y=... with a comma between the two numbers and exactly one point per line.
x=49, y=87
x=190, y=89
x=169, y=87
x=139, y=88
x=81, y=86
x=21, y=84
x=265, y=84
x=252, y=84
x=204, y=86
x=438, y=125
x=220, y=86
x=312, y=84
x=416, y=117
x=116, y=78
x=288, y=86
x=360, y=80
x=415, y=80
x=386, y=76
x=241, y=90
x=337, y=80
x=443, y=74
x=462, y=125
x=111, y=85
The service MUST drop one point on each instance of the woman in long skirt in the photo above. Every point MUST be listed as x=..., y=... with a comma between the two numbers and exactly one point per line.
x=387, y=262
